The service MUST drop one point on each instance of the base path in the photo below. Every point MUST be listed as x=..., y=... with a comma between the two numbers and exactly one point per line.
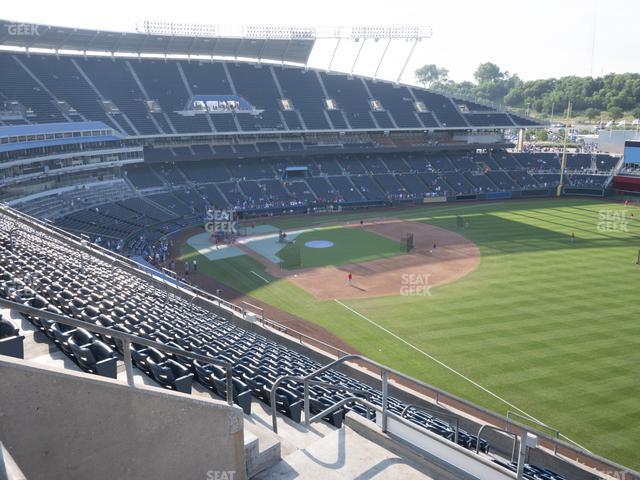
x=452, y=258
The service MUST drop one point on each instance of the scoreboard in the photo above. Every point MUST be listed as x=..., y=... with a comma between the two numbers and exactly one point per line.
x=632, y=152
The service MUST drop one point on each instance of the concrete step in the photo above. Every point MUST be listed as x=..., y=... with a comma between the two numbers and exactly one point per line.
x=261, y=445
x=291, y=435
x=261, y=452
x=344, y=454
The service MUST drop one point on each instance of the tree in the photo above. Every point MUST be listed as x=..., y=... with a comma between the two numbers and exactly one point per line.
x=541, y=135
x=430, y=74
x=487, y=73
x=616, y=113
x=592, y=113
x=611, y=93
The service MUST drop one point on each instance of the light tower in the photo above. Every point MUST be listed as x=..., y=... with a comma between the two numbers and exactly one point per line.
x=563, y=165
x=292, y=33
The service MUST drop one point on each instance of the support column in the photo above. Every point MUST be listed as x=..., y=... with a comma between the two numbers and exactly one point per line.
x=357, y=56
x=406, y=62
x=335, y=50
x=384, y=53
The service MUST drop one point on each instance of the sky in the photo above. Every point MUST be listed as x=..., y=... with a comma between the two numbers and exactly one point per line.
x=546, y=38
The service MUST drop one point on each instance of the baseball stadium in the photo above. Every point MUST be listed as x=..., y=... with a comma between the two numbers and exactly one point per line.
x=217, y=261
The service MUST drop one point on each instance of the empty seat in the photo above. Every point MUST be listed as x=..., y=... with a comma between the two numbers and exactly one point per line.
x=171, y=374
x=214, y=378
x=11, y=342
x=94, y=357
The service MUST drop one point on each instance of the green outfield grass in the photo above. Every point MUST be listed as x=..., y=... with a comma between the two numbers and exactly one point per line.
x=351, y=245
x=550, y=325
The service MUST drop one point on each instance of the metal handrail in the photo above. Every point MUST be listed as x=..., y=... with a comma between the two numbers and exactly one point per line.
x=491, y=427
x=455, y=418
x=305, y=380
x=126, y=338
x=511, y=413
x=372, y=406
x=116, y=257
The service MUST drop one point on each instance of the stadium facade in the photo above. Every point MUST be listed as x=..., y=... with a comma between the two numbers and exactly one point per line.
x=140, y=142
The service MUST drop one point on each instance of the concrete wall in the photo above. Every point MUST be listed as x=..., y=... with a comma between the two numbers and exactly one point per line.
x=61, y=424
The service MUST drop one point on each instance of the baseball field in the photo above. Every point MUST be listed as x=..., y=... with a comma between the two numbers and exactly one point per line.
x=528, y=306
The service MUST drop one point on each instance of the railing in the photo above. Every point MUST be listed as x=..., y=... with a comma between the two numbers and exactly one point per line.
x=491, y=427
x=265, y=321
x=455, y=418
x=382, y=409
x=126, y=339
x=555, y=431
x=307, y=380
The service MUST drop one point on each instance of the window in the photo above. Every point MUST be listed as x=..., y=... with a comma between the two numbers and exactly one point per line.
x=330, y=104
x=420, y=107
x=286, y=104
x=376, y=106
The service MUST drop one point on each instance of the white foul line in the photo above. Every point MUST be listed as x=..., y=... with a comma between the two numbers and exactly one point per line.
x=260, y=276
x=451, y=369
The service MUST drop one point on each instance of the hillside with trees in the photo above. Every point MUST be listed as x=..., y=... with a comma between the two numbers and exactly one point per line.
x=614, y=96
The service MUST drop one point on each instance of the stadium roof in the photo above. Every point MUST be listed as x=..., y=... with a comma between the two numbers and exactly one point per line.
x=28, y=35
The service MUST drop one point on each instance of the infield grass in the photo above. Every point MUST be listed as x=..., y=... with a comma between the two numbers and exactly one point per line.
x=350, y=245
x=550, y=325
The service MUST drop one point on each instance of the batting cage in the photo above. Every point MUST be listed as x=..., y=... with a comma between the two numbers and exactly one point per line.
x=407, y=242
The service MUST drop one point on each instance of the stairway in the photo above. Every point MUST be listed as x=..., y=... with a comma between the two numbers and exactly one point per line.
x=347, y=454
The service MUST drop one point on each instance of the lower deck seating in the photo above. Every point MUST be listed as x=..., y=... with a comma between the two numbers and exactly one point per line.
x=262, y=184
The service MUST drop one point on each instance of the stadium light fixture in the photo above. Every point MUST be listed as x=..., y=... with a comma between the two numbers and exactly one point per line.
x=359, y=34
x=285, y=32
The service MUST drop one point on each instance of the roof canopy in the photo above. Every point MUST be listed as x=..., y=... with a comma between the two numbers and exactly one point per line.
x=28, y=35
